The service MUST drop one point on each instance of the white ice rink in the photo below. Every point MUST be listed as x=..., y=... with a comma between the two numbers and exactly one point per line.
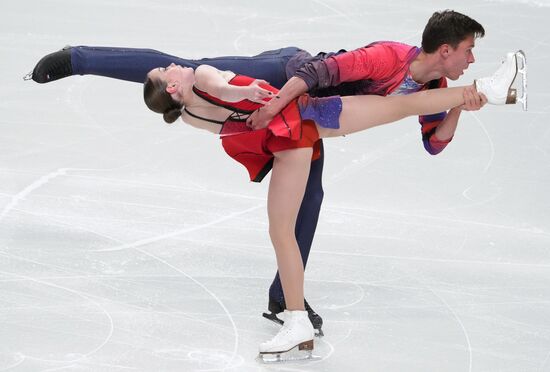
x=130, y=245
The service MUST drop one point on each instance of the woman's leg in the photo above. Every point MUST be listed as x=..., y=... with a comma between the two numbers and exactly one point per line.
x=286, y=191
x=363, y=112
x=306, y=222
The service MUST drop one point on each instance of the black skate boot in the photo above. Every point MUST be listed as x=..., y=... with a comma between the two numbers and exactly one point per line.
x=275, y=307
x=54, y=66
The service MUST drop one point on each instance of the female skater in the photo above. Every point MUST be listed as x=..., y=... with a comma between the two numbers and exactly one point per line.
x=220, y=101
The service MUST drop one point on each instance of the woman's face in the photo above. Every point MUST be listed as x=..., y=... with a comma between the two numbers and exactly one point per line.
x=177, y=78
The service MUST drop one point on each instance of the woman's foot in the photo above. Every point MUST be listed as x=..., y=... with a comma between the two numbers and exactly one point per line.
x=498, y=88
x=277, y=307
x=294, y=340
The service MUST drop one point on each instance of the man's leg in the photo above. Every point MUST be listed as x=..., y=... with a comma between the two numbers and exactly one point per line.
x=130, y=64
x=133, y=64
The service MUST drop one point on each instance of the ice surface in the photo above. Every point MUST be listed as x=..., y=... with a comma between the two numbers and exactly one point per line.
x=129, y=245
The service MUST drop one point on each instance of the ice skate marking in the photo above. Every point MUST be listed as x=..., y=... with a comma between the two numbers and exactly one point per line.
x=487, y=166
x=436, y=221
x=536, y=138
x=29, y=189
x=82, y=275
x=544, y=362
x=458, y=320
x=85, y=297
x=491, y=143
x=438, y=260
x=154, y=239
x=36, y=185
x=345, y=16
x=74, y=274
x=53, y=220
x=361, y=297
x=195, y=187
x=18, y=359
x=363, y=160
x=212, y=294
x=236, y=42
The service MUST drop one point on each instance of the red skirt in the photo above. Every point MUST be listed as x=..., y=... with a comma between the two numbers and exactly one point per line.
x=254, y=148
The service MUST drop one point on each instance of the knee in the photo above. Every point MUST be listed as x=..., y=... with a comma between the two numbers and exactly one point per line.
x=281, y=236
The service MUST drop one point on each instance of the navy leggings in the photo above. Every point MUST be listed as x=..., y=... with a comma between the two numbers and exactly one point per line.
x=133, y=65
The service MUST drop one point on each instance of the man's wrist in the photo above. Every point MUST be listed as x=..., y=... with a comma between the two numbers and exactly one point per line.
x=457, y=109
x=273, y=108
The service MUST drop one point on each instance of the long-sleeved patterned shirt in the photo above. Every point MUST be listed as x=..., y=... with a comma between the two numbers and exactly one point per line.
x=380, y=68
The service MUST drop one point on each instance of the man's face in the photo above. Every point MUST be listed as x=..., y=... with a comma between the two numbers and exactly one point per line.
x=457, y=60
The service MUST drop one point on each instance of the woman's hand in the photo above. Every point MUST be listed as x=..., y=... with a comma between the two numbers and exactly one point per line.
x=257, y=94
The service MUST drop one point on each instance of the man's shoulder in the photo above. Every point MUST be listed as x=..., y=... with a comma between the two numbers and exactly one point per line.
x=399, y=49
x=390, y=44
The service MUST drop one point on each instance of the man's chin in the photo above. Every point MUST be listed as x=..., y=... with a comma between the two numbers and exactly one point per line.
x=455, y=77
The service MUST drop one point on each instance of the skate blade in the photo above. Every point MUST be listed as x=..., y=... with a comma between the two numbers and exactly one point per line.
x=522, y=70
x=28, y=76
x=511, y=97
x=273, y=317
x=304, y=351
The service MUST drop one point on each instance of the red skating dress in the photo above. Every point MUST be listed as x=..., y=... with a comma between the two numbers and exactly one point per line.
x=254, y=148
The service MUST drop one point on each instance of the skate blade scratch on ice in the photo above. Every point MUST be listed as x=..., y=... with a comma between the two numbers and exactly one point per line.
x=29, y=189
x=154, y=239
x=82, y=295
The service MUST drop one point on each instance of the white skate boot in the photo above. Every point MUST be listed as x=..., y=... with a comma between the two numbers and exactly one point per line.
x=498, y=88
x=293, y=342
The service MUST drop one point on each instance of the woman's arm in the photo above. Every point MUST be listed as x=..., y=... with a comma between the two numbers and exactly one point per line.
x=213, y=81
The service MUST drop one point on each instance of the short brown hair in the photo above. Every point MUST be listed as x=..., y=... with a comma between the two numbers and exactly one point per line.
x=449, y=27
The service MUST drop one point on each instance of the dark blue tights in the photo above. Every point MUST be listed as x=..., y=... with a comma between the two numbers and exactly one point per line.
x=133, y=65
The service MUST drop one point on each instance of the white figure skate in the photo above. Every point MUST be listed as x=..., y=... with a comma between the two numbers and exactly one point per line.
x=498, y=88
x=293, y=342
